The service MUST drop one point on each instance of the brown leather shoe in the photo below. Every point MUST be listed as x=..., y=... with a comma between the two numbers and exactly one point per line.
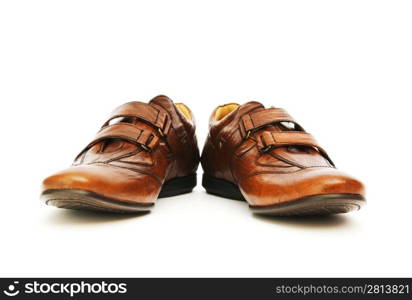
x=144, y=151
x=263, y=156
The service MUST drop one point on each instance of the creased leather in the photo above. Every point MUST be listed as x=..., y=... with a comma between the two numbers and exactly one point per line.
x=130, y=160
x=268, y=161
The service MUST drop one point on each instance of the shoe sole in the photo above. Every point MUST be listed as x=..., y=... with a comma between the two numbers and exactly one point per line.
x=315, y=205
x=87, y=200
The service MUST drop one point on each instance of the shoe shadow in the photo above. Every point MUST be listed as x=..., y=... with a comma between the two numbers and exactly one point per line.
x=325, y=222
x=64, y=217
x=309, y=222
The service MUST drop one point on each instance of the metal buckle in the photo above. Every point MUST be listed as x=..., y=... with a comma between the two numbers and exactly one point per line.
x=145, y=147
x=265, y=149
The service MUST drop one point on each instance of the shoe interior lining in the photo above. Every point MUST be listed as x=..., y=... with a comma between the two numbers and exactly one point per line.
x=224, y=110
x=185, y=110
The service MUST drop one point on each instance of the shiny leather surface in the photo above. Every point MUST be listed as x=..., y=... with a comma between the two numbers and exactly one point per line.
x=141, y=146
x=270, y=157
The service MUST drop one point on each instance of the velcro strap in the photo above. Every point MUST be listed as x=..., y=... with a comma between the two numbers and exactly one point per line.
x=128, y=132
x=145, y=112
x=256, y=120
x=270, y=139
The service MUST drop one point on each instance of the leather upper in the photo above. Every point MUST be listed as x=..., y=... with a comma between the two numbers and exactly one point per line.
x=138, y=148
x=270, y=156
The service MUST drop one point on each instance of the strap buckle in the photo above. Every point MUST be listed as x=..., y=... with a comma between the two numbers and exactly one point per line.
x=248, y=133
x=147, y=140
x=160, y=131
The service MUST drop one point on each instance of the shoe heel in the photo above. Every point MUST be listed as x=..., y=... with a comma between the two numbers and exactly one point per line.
x=178, y=186
x=221, y=187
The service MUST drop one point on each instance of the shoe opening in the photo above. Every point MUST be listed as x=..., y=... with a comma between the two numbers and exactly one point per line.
x=185, y=110
x=224, y=110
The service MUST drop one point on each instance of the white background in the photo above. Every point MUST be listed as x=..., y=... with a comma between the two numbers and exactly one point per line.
x=343, y=69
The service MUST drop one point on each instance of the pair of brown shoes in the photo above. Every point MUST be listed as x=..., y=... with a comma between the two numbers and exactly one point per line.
x=149, y=150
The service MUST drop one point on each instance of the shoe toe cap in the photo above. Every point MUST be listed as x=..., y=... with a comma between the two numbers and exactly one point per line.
x=115, y=183
x=270, y=189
